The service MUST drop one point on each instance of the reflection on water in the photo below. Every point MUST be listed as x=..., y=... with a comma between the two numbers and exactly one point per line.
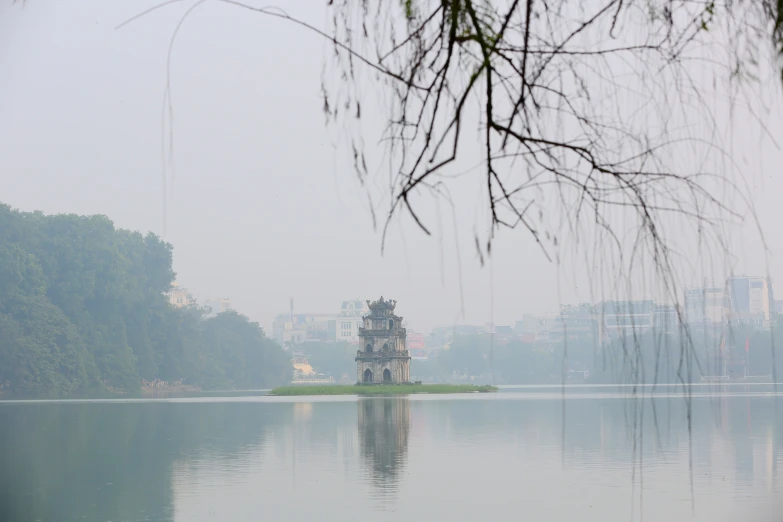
x=486, y=457
x=109, y=461
x=384, y=426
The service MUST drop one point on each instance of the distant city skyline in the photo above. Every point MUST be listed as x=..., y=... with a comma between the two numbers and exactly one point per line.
x=698, y=304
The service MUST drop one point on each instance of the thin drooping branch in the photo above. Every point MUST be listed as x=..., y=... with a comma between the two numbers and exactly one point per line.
x=585, y=109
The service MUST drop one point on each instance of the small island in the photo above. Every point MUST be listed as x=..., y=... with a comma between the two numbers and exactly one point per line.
x=383, y=363
x=381, y=389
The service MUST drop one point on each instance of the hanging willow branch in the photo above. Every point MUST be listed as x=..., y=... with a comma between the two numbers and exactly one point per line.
x=579, y=100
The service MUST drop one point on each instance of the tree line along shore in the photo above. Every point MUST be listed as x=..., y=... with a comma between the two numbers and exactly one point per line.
x=83, y=313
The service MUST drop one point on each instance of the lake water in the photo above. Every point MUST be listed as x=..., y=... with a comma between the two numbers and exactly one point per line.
x=527, y=453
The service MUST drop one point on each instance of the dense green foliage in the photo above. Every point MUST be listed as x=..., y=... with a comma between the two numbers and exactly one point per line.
x=391, y=389
x=83, y=311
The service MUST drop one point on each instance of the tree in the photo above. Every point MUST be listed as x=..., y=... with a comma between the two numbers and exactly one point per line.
x=20, y=273
x=249, y=358
x=41, y=352
x=82, y=308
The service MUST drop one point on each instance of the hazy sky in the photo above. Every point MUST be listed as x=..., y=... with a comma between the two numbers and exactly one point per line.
x=263, y=203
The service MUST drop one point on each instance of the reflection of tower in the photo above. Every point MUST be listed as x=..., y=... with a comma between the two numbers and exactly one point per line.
x=384, y=426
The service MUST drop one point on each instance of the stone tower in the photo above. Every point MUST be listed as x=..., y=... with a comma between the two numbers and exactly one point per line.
x=384, y=355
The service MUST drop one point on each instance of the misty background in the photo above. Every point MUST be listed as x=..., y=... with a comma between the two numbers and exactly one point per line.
x=262, y=202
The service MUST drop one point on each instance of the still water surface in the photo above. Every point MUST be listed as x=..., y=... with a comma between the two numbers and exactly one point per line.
x=522, y=454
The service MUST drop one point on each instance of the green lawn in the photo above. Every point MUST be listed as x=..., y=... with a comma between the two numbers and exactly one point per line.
x=388, y=389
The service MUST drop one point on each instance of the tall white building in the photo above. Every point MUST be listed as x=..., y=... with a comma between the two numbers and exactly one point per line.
x=748, y=300
x=342, y=325
x=348, y=322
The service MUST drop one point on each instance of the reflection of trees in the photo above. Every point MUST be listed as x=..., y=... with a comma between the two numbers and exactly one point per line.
x=112, y=461
x=384, y=426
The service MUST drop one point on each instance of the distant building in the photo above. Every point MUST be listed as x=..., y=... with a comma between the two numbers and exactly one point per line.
x=541, y=328
x=216, y=306
x=179, y=297
x=574, y=322
x=504, y=330
x=299, y=328
x=337, y=326
x=384, y=357
x=467, y=329
x=618, y=319
x=666, y=319
x=704, y=305
x=347, y=324
x=749, y=300
x=415, y=343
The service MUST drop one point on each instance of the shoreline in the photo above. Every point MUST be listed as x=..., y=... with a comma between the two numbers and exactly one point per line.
x=365, y=390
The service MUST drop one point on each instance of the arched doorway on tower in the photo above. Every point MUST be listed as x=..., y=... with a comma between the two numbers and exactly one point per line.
x=386, y=375
x=367, y=376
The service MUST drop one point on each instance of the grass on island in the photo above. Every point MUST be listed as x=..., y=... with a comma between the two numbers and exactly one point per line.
x=387, y=389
